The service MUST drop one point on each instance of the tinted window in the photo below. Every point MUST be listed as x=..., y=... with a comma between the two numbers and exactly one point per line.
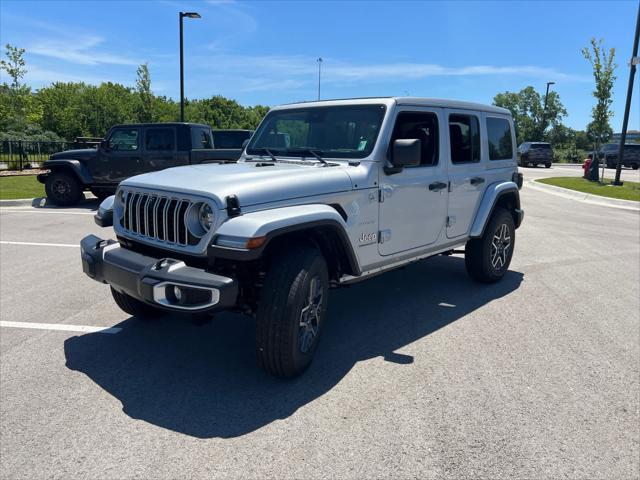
x=540, y=146
x=162, y=139
x=124, y=139
x=348, y=131
x=229, y=139
x=200, y=138
x=464, y=137
x=499, y=137
x=422, y=126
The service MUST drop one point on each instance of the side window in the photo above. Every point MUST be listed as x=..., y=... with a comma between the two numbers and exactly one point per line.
x=201, y=138
x=499, y=137
x=230, y=139
x=464, y=138
x=124, y=139
x=160, y=139
x=422, y=126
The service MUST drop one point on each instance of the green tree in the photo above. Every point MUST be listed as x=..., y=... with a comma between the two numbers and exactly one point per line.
x=14, y=65
x=527, y=108
x=599, y=130
x=16, y=103
x=143, y=89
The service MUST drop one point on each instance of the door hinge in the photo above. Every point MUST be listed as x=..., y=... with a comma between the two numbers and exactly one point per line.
x=380, y=196
x=451, y=221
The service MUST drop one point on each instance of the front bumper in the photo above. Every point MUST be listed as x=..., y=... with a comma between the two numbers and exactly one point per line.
x=162, y=282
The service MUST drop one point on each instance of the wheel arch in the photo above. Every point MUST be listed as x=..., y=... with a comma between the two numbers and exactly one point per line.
x=501, y=194
x=319, y=225
x=74, y=167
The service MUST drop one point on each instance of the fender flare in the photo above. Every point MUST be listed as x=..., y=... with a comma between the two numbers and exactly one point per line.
x=489, y=200
x=76, y=166
x=231, y=238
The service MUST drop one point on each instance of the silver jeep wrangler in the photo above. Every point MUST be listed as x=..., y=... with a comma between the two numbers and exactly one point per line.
x=325, y=194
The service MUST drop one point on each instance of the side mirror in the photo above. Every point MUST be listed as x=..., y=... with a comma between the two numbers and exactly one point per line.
x=245, y=142
x=104, y=144
x=406, y=152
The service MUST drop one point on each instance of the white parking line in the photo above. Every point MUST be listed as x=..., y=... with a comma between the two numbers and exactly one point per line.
x=37, y=244
x=61, y=327
x=66, y=212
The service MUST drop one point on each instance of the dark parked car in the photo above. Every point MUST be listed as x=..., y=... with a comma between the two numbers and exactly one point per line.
x=609, y=154
x=534, y=154
x=129, y=150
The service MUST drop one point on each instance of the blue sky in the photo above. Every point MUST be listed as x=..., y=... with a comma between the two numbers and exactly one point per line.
x=265, y=52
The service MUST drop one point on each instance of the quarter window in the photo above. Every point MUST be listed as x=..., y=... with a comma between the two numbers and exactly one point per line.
x=160, y=139
x=124, y=139
x=499, y=137
x=422, y=126
x=464, y=138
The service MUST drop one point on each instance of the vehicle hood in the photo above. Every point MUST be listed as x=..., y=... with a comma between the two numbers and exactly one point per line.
x=251, y=183
x=83, y=154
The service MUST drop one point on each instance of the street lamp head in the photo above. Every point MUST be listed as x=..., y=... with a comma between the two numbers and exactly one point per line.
x=551, y=83
x=190, y=14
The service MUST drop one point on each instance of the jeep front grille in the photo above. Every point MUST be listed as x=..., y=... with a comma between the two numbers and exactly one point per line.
x=157, y=217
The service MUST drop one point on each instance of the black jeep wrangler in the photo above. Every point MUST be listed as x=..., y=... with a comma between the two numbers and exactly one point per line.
x=129, y=150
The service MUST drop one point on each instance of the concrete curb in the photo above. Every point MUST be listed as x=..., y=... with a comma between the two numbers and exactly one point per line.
x=39, y=202
x=584, y=197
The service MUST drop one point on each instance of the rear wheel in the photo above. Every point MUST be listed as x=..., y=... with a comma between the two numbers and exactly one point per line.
x=135, y=307
x=547, y=165
x=291, y=311
x=63, y=189
x=487, y=258
x=634, y=166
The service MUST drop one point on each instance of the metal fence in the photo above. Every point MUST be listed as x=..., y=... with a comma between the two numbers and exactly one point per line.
x=25, y=154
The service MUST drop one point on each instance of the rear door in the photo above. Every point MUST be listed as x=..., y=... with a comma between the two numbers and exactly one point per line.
x=414, y=201
x=467, y=176
x=160, y=148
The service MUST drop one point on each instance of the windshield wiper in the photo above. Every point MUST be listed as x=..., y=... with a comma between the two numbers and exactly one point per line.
x=267, y=151
x=311, y=151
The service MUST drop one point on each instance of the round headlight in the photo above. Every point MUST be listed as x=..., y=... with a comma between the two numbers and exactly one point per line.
x=205, y=216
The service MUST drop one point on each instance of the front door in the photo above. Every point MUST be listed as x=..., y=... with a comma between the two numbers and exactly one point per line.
x=414, y=201
x=467, y=170
x=123, y=157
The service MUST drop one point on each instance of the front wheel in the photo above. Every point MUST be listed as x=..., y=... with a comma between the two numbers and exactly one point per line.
x=547, y=165
x=291, y=311
x=635, y=166
x=63, y=189
x=487, y=258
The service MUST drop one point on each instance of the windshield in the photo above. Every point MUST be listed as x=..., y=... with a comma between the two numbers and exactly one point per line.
x=348, y=131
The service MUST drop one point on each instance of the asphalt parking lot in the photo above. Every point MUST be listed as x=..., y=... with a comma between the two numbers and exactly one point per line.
x=420, y=373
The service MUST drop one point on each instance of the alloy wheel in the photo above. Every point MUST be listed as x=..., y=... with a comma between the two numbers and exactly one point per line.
x=310, y=315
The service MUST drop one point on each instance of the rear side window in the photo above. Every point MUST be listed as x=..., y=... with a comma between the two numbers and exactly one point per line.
x=160, y=139
x=201, y=138
x=464, y=138
x=540, y=146
x=229, y=139
x=422, y=126
x=499, y=137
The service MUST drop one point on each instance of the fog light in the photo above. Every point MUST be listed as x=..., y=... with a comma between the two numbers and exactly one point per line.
x=177, y=292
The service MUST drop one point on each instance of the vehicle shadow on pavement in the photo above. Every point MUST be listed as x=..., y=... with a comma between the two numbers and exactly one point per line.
x=204, y=381
x=90, y=203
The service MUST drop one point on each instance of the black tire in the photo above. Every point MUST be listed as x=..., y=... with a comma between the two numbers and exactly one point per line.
x=635, y=166
x=63, y=189
x=135, y=307
x=485, y=261
x=547, y=165
x=284, y=347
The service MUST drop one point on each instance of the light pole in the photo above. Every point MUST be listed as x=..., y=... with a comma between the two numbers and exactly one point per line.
x=635, y=60
x=544, y=112
x=319, y=68
x=182, y=15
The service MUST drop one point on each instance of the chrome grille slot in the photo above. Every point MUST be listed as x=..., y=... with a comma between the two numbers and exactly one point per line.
x=156, y=217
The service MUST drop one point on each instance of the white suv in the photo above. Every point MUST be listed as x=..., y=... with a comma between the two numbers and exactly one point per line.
x=325, y=194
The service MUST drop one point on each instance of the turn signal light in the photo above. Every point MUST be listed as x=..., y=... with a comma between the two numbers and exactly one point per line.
x=256, y=242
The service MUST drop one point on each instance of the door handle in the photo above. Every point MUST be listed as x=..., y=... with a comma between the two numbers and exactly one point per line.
x=477, y=180
x=437, y=186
